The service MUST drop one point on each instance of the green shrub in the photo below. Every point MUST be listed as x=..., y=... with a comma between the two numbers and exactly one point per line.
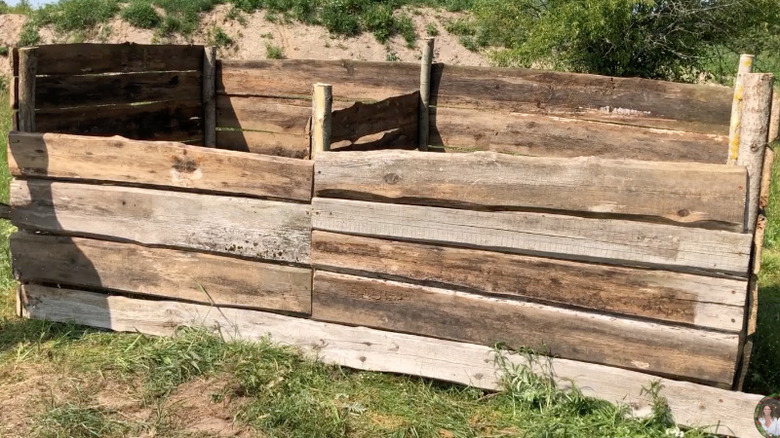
x=273, y=52
x=217, y=37
x=379, y=20
x=4, y=51
x=342, y=17
x=406, y=29
x=73, y=15
x=142, y=15
x=431, y=29
x=29, y=35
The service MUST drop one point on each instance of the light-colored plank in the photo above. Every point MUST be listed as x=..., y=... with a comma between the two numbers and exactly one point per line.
x=541, y=135
x=360, y=119
x=614, y=242
x=691, y=404
x=265, y=143
x=117, y=159
x=322, y=119
x=81, y=59
x=705, y=195
x=682, y=298
x=182, y=275
x=246, y=227
x=289, y=116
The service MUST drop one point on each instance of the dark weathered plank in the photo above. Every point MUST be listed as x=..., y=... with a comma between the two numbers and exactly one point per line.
x=640, y=102
x=610, y=241
x=266, y=143
x=704, y=195
x=70, y=91
x=681, y=298
x=351, y=80
x=245, y=227
x=360, y=119
x=685, y=352
x=714, y=409
x=171, y=120
x=290, y=116
x=541, y=135
x=79, y=59
x=171, y=164
x=168, y=273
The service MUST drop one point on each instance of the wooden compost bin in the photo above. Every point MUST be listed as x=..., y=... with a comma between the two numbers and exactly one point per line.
x=594, y=221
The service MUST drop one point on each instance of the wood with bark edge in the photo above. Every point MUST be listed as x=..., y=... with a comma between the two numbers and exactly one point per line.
x=681, y=298
x=117, y=159
x=692, y=193
x=717, y=410
x=610, y=241
x=173, y=274
x=28, y=66
x=253, y=228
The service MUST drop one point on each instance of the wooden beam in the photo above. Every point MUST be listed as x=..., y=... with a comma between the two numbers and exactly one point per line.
x=266, y=143
x=165, y=164
x=425, y=94
x=28, y=68
x=613, y=242
x=716, y=410
x=322, y=112
x=735, y=125
x=289, y=116
x=253, y=228
x=82, y=59
x=167, y=273
x=697, y=194
x=209, y=93
x=661, y=295
x=362, y=119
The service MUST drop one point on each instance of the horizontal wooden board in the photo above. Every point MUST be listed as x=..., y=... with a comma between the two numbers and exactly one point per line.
x=80, y=59
x=614, y=242
x=640, y=102
x=167, y=120
x=246, y=227
x=266, y=143
x=362, y=119
x=717, y=410
x=290, y=116
x=591, y=337
x=678, y=298
x=71, y=91
x=170, y=164
x=541, y=135
x=705, y=195
x=184, y=275
x=351, y=80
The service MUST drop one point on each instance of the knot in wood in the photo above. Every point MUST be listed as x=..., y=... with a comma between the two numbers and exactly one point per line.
x=392, y=178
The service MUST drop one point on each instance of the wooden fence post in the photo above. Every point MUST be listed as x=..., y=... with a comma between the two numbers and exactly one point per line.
x=322, y=110
x=425, y=94
x=209, y=100
x=28, y=69
x=745, y=66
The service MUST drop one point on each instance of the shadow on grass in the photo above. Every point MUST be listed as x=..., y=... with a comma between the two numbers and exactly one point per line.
x=26, y=336
x=764, y=371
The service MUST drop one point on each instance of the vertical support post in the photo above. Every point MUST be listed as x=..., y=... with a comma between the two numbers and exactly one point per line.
x=745, y=66
x=423, y=122
x=753, y=136
x=209, y=96
x=774, y=120
x=28, y=69
x=322, y=110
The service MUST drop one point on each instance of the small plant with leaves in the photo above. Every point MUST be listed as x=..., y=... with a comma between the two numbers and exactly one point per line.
x=217, y=37
x=431, y=29
x=273, y=52
x=141, y=14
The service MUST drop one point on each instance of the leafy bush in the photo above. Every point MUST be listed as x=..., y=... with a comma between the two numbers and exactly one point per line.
x=273, y=52
x=74, y=15
x=29, y=35
x=218, y=38
x=141, y=14
x=379, y=20
x=342, y=17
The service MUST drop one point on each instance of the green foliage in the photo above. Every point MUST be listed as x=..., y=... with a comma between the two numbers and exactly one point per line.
x=431, y=29
x=217, y=37
x=4, y=51
x=29, y=35
x=273, y=52
x=77, y=420
x=141, y=14
x=75, y=15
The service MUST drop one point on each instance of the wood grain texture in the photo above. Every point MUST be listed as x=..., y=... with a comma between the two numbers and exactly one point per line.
x=352, y=80
x=289, y=116
x=667, y=296
x=72, y=91
x=591, y=337
x=266, y=143
x=716, y=410
x=169, y=164
x=208, y=91
x=361, y=119
x=181, y=275
x=176, y=121
x=613, y=242
x=28, y=67
x=253, y=228
x=639, y=102
x=704, y=195
x=81, y=59
x=541, y=135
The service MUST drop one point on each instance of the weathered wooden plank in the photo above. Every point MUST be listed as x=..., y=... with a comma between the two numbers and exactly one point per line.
x=614, y=242
x=680, y=298
x=80, y=59
x=360, y=119
x=542, y=135
x=290, y=116
x=591, y=337
x=640, y=102
x=353, y=80
x=184, y=275
x=28, y=66
x=171, y=120
x=170, y=164
x=245, y=227
x=266, y=143
x=716, y=410
x=208, y=93
x=705, y=195
x=71, y=91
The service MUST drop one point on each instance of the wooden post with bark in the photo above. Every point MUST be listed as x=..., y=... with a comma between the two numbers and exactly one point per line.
x=322, y=110
x=745, y=66
x=425, y=94
x=28, y=69
x=209, y=96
